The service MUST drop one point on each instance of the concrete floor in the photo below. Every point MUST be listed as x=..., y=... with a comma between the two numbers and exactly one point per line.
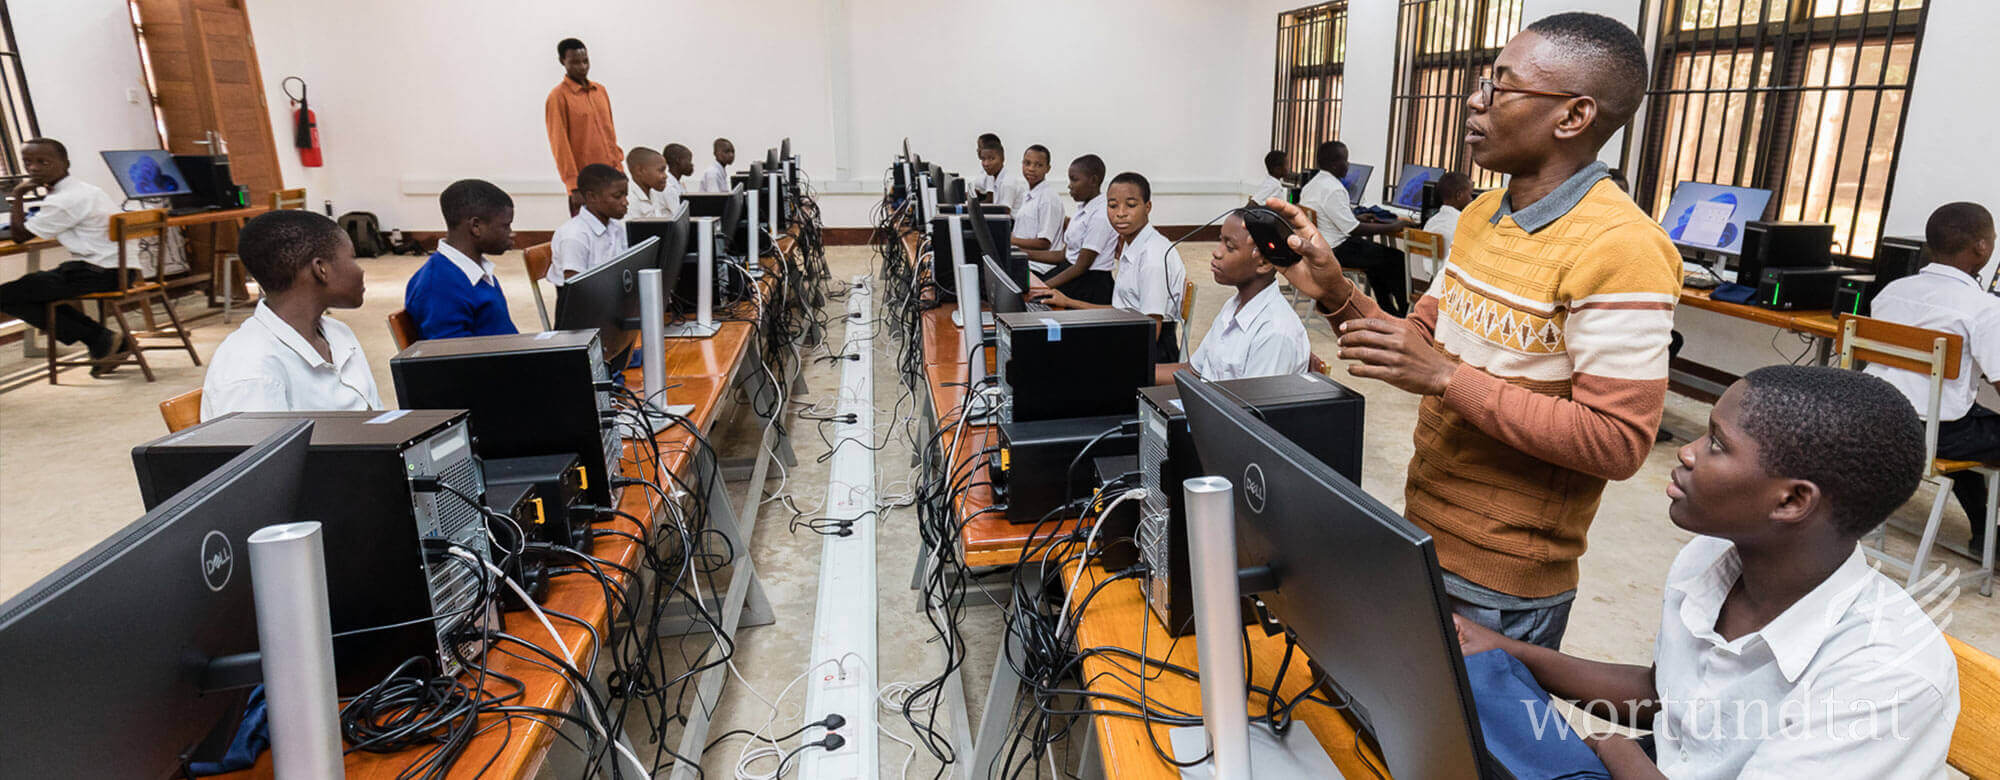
x=66, y=483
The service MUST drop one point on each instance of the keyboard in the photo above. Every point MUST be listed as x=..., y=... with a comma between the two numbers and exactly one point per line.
x=1036, y=306
x=186, y=210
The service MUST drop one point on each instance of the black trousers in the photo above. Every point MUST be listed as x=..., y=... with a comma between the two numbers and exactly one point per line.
x=1091, y=287
x=1976, y=436
x=1384, y=266
x=27, y=298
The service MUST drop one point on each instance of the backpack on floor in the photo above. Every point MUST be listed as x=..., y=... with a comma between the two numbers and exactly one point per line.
x=364, y=230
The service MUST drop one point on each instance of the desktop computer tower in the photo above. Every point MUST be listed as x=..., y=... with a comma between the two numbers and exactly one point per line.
x=530, y=394
x=1768, y=244
x=945, y=257
x=1075, y=363
x=208, y=176
x=1317, y=413
x=1799, y=289
x=386, y=534
x=555, y=482
x=1895, y=258
x=1032, y=469
x=1851, y=295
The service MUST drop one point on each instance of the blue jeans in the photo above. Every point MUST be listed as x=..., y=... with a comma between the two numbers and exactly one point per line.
x=1544, y=626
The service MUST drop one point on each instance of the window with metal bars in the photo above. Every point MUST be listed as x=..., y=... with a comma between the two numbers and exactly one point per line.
x=1312, y=52
x=1443, y=49
x=17, y=115
x=1805, y=98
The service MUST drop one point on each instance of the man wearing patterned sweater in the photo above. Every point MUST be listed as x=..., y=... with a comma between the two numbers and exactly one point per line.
x=1541, y=348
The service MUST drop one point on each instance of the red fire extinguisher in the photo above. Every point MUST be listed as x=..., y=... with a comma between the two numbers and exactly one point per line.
x=305, y=126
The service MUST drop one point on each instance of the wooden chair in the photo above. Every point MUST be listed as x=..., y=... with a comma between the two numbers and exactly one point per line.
x=291, y=199
x=1318, y=366
x=127, y=227
x=538, y=258
x=182, y=411
x=1975, y=741
x=403, y=327
x=1935, y=354
x=1418, y=243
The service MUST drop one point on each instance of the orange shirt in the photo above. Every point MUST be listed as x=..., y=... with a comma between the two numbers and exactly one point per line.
x=580, y=129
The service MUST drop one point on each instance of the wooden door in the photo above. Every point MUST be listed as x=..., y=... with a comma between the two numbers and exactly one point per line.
x=205, y=71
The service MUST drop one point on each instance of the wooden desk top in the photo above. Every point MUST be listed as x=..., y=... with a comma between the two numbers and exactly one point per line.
x=1819, y=323
x=1118, y=617
x=716, y=355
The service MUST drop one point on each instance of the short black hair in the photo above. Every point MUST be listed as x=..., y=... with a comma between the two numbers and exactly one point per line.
x=1092, y=165
x=1274, y=159
x=567, y=45
x=991, y=141
x=639, y=154
x=277, y=244
x=1323, y=156
x=61, y=150
x=1040, y=148
x=1453, y=183
x=722, y=142
x=1853, y=435
x=596, y=177
x=469, y=198
x=1136, y=180
x=1955, y=227
x=1610, y=55
x=675, y=152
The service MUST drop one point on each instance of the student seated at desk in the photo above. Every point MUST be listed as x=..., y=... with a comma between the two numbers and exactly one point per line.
x=1273, y=185
x=716, y=178
x=289, y=356
x=1256, y=333
x=77, y=215
x=1038, y=224
x=1945, y=295
x=650, y=193
x=1326, y=198
x=1454, y=189
x=597, y=233
x=1151, y=278
x=1088, y=249
x=457, y=292
x=680, y=164
x=996, y=184
x=1781, y=652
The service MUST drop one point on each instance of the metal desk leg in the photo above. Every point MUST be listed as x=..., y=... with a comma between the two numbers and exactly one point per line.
x=743, y=605
x=997, y=717
x=1090, y=758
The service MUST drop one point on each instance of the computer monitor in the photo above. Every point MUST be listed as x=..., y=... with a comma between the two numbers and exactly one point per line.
x=906, y=150
x=1410, y=185
x=1001, y=290
x=1355, y=180
x=1709, y=217
x=1357, y=585
x=734, y=233
x=606, y=299
x=785, y=149
x=147, y=173
x=772, y=162
x=675, y=234
x=111, y=659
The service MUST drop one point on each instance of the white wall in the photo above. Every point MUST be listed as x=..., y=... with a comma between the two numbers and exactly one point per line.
x=83, y=72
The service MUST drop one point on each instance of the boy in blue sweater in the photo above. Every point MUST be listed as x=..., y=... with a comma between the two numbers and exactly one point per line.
x=456, y=292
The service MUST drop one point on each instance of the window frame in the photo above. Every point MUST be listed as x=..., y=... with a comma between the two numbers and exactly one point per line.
x=1300, y=121
x=19, y=108
x=1426, y=127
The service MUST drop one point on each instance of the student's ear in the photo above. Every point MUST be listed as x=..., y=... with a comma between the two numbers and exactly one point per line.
x=1579, y=114
x=1797, y=500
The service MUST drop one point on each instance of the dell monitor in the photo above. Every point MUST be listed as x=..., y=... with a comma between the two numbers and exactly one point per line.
x=675, y=234
x=785, y=149
x=771, y=160
x=1410, y=185
x=1709, y=217
x=996, y=240
x=111, y=659
x=147, y=173
x=1001, y=290
x=1357, y=585
x=1355, y=180
x=606, y=299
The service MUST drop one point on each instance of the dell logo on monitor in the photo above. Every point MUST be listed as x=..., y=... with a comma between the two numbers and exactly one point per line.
x=218, y=560
x=1253, y=488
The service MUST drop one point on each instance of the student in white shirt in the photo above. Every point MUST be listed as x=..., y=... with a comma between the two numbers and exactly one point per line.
x=996, y=184
x=1326, y=198
x=597, y=233
x=1454, y=190
x=1945, y=295
x=651, y=192
x=77, y=215
x=716, y=178
x=1273, y=185
x=1256, y=333
x=1781, y=652
x=1151, y=279
x=289, y=356
x=1088, y=252
x=680, y=164
x=1038, y=224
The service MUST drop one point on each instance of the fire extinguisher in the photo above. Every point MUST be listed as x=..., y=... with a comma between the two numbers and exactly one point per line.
x=305, y=126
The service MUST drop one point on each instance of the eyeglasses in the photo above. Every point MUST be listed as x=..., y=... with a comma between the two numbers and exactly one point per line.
x=1487, y=88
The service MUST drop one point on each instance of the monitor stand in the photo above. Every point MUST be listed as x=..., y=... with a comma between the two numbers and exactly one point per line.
x=652, y=353
x=958, y=319
x=1297, y=754
x=704, y=324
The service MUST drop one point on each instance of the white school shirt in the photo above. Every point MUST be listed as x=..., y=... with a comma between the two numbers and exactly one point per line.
x=1271, y=188
x=1444, y=223
x=1940, y=297
x=1041, y=214
x=583, y=243
x=716, y=178
x=1327, y=197
x=1091, y=228
x=1008, y=188
x=1151, y=278
x=77, y=215
x=1852, y=681
x=657, y=203
x=1263, y=337
x=266, y=366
